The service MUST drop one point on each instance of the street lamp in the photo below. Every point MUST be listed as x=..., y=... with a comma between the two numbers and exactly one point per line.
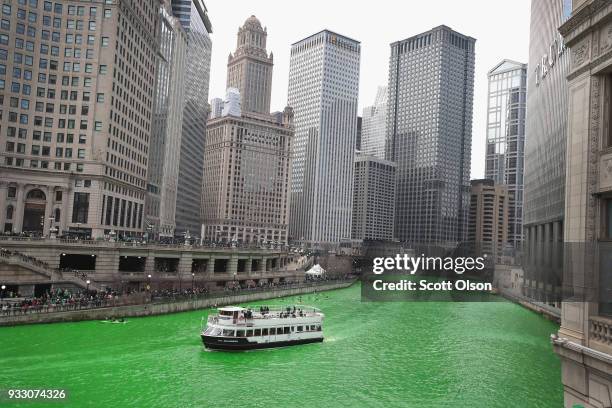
x=2, y=294
x=192, y=281
x=88, y=282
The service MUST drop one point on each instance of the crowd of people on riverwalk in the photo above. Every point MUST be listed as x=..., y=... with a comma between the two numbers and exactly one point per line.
x=56, y=299
x=64, y=300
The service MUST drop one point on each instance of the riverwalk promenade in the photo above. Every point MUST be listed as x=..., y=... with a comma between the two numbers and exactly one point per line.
x=123, y=306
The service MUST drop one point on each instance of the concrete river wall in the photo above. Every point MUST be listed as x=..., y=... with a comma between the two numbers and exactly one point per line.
x=158, y=308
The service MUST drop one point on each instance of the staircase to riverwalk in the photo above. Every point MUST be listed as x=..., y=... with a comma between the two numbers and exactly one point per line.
x=39, y=267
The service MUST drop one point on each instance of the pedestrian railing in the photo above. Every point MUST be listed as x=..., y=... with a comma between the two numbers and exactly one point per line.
x=124, y=300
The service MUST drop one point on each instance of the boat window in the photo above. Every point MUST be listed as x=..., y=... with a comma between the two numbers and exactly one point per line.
x=272, y=331
x=228, y=333
x=257, y=332
x=225, y=313
x=209, y=331
x=264, y=332
x=249, y=333
x=292, y=329
x=318, y=327
x=312, y=328
x=299, y=328
x=287, y=329
x=240, y=333
x=216, y=331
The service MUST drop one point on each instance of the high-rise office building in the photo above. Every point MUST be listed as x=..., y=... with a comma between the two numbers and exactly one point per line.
x=323, y=91
x=249, y=69
x=216, y=107
x=193, y=16
x=429, y=129
x=374, y=130
x=75, y=133
x=359, y=129
x=247, y=159
x=506, y=138
x=488, y=216
x=584, y=341
x=373, y=198
x=165, y=149
x=246, y=178
x=546, y=124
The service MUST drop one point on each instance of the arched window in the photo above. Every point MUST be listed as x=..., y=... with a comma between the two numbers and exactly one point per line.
x=9, y=212
x=57, y=215
x=36, y=194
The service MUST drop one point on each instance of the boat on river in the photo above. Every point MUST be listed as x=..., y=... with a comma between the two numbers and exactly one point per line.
x=257, y=327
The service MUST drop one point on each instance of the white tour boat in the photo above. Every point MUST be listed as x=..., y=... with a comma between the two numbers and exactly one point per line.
x=248, y=328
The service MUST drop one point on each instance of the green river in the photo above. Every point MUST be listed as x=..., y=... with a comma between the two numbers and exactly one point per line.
x=393, y=354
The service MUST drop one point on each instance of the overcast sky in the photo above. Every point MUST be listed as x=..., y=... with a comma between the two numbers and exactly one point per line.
x=501, y=29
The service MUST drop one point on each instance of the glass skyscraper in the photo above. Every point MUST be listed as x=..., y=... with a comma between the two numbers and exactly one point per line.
x=506, y=138
x=546, y=123
x=193, y=17
x=429, y=132
x=374, y=128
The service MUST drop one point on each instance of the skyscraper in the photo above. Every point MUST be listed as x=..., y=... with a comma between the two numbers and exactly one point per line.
x=488, y=216
x=506, y=138
x=164, y=153
x=546, y=124
x=249, y=69
x=374, y=129
x=216, y=107
x=373, y=198
x=193, y=16
x=74, y=138
x=247, y=158
x=429, y=129
x=323, y=91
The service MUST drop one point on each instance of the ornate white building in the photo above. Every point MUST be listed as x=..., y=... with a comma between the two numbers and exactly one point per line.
x=323, y=91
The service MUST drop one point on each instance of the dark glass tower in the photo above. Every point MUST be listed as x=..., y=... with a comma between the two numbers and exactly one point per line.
x=429, y=132
x=193, y=17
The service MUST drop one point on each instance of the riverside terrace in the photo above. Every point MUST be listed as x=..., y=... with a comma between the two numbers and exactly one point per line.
x=32, y=266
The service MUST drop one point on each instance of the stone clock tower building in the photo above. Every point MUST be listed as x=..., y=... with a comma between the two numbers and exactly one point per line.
x=249, y=69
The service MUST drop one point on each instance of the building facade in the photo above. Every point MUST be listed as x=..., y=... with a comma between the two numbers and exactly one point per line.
x=374, y=131
x=160, y=207
x=429, y=129
x=247, y=158
x=545, y=132
x=488, y=216
x=193, y=16
x=216, y=108
x=249, y=69
x=584, y=341
x=247, y=162
x=373, y=199
x=323, y=91
x=505, y=145
x=77, y=102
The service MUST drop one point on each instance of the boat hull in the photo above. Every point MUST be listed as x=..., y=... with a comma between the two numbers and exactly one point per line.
x=240, y=344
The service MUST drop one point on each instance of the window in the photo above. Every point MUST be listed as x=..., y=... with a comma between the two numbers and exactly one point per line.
x=108, y=13
x=100, y=97
x=80, y=208
x=104, y=41
x=12, y=192
x=98, y=126
x=608, y=220
x=92, y=26
x=103, y=69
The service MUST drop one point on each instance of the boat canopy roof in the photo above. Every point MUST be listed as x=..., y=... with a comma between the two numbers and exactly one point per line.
x=231, y=309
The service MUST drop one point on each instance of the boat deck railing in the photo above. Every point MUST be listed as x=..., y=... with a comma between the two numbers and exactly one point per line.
x=273, y=312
